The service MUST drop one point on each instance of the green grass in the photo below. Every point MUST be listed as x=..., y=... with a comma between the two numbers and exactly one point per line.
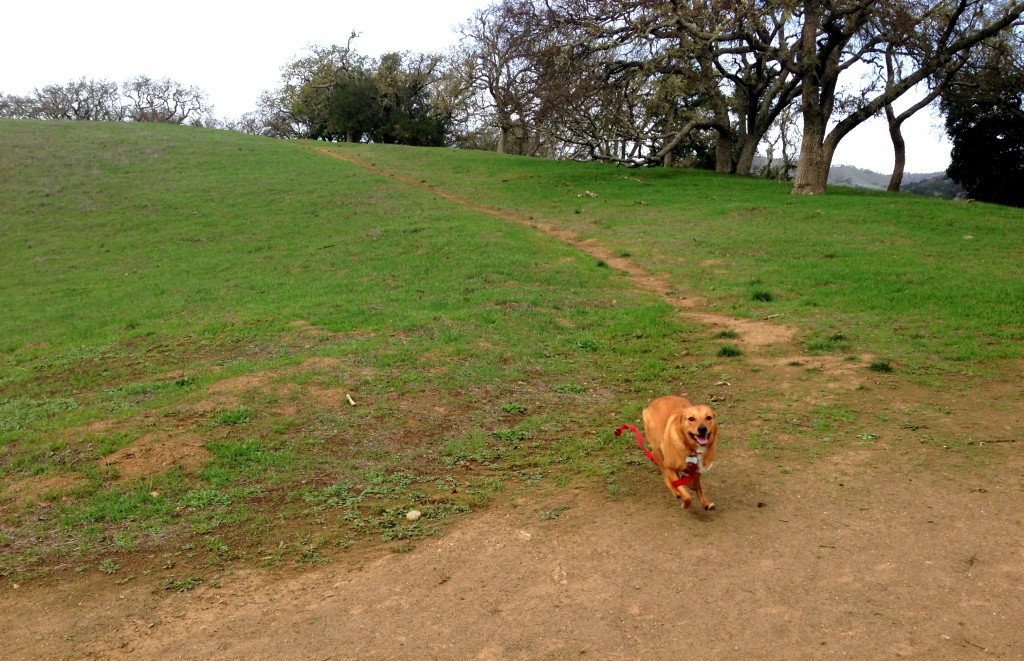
x=160, y=280
x=892, y=273
x=881, y=366
x=183, y=286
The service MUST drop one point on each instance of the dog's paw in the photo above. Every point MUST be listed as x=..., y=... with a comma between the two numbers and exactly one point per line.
x=709, y=506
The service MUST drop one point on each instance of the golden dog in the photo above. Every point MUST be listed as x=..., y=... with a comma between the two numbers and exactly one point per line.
x=682, y=437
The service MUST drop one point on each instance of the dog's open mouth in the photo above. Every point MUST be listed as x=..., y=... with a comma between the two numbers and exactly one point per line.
x=701, y=440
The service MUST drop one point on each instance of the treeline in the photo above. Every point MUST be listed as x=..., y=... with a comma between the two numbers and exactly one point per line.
x=140, y=99
x=706, y=84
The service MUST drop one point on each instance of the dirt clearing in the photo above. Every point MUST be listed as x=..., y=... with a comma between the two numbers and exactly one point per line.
x=853, y=558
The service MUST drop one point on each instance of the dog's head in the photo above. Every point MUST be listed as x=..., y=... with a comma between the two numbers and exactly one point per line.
x=699, y=427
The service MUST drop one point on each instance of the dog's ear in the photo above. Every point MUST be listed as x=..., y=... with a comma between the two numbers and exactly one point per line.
x=675, y=434
x=708, y=457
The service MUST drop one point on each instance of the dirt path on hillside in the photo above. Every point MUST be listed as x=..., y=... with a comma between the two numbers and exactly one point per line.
x=886, y=549
x=752, y=332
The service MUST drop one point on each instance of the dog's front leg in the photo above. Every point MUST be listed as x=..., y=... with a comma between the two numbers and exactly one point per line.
x=699, y=488
x=671, y=475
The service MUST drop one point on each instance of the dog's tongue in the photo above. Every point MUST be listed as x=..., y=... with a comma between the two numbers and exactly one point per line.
x=703, y=440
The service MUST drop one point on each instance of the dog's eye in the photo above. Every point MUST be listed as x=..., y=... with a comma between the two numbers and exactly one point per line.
x=708, y=418
x=691, y=418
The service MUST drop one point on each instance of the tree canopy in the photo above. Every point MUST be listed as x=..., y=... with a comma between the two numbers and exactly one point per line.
x=984, y=108
x=644, y=83
x=333, y=93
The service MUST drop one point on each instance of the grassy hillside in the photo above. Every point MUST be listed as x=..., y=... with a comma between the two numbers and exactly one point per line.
x=930, y=283
x=189, y=312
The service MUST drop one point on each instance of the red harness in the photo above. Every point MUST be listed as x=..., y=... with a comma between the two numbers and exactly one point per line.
x=640, y=439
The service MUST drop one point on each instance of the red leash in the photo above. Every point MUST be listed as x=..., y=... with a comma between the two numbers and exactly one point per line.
x=640, y=439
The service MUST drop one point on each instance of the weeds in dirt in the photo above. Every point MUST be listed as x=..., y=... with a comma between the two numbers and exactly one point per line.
x=832, y=343
x=828, y=418
x=553, y=513
x=240, y=416
x=310, y=555
x=182, y=584
x=510, y=435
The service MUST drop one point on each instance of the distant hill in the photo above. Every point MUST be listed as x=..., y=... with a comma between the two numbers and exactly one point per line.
x=848, y=175
x=930, y=184
x=936, y=186
x=933, y=184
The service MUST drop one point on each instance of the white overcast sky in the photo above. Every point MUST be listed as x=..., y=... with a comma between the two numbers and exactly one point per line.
x=233, y=51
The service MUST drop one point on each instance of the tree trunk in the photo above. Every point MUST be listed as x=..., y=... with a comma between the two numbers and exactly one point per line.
x=723, y=154
x=812, y=170
x=899, y=147
x=534, y=143
x=724, y=162
x=745, y=162
x=503, y=132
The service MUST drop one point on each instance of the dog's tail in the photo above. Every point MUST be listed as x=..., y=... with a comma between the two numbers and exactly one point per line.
x=639, y=440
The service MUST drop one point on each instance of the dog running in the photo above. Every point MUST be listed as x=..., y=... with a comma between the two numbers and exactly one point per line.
x=682, y=438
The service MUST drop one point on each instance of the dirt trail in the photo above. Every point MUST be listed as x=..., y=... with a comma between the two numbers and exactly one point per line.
x=877, y=550
x=752, y=332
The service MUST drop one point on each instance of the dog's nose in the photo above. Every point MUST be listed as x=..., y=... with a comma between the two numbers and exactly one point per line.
x=702, y=430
